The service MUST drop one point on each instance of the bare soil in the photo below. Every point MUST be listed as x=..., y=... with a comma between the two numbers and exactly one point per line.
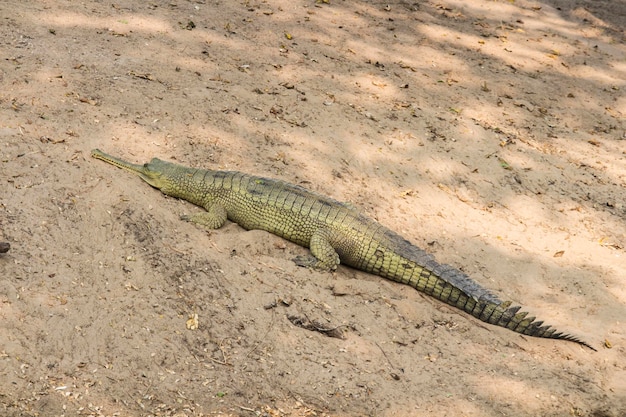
x=491, y=133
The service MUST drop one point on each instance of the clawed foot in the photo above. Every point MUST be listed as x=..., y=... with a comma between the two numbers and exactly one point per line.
x=310, y=261
x=213, y=219
x=306, y=261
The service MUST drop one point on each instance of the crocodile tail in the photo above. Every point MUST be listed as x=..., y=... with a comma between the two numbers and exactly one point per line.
x=457, y=289
x=512, y=318
x=452, y=286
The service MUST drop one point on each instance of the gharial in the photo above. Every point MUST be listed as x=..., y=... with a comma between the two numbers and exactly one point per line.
x=335, y=233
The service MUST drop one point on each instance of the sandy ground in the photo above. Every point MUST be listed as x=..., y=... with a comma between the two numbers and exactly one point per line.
x=491, y=133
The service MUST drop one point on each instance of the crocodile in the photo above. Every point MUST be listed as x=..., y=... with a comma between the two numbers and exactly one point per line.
x=335, y=232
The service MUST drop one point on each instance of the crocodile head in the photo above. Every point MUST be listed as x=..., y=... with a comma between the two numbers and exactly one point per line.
x=172, y=179
x=159, y=174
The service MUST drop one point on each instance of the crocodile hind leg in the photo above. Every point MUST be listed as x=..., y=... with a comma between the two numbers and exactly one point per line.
x=214, y=217
x=323, y=256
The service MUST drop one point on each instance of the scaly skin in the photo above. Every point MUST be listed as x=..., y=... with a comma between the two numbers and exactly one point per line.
x=334, y=232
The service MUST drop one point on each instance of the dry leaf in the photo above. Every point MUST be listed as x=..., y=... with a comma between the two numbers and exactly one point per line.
x=192, y=322
x=504, y=164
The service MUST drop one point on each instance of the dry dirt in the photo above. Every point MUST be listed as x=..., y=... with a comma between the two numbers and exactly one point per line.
x=491, y=133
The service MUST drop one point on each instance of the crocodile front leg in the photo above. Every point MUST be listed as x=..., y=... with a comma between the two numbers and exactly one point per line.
x=214, y=217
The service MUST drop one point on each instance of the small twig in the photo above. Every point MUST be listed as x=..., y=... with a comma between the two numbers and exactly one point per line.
x=308, y=324
x=386, y=357
x=258, y=343
x=248, y=409
x=174, y=249
x=220, y=362
x=221, y=348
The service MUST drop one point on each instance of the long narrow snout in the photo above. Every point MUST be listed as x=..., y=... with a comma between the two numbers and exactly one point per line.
x=151, y=176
